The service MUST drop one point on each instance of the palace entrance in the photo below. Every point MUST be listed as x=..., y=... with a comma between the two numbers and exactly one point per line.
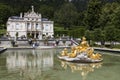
x=34, y=34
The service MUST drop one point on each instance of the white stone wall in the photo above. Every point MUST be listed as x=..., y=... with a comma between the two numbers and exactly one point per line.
x=20, y=25
x=15, y=27
x=48, y=28
x=12, y=33
x=22, y=33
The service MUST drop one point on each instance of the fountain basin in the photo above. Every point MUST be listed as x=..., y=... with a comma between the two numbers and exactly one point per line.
x=79, y=58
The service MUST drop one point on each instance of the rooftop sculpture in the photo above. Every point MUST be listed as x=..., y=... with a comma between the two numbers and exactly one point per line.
x=80, y=53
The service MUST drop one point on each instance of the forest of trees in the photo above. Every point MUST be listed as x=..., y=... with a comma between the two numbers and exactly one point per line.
x=98, y=20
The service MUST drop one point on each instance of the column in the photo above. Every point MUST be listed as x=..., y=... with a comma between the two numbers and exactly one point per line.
x=34, y=34
x=31, y=28
x=40, y=35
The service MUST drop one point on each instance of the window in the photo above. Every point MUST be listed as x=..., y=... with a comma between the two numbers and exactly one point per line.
x=37, y=27
x=17, y=26
x=12, y=27
x=47, y=28
x=28, y=25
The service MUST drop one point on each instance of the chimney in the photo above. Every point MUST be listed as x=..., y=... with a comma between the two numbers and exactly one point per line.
x=20, y=15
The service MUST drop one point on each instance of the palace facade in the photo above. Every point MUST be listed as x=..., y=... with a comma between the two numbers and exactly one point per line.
x=31, y=24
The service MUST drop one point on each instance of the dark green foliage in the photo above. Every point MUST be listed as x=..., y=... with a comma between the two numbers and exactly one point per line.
x=89, y=35
x=60, y=33
x=92, y=15
x=112, y=34
x=5, y=12
x=66, y=15
x=100, y=18
x=46, y=11
x=77, y=33
x=99, y=35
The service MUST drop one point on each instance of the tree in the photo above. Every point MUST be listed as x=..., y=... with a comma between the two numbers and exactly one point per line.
x=116, y=16
x=111, y=34
x=110, y=15
x=66, y=15
x=117, y=35
x=81, y=5
x=89, y=35
x=5, y=12
x=92, y=14
x=80, y=19
x=46, y=11
x=78, y=33
x=99, y=36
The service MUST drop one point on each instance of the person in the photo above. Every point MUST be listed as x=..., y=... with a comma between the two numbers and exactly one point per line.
x=33, y=45
x=30, y=41
x=13, y=43
x=57, y=42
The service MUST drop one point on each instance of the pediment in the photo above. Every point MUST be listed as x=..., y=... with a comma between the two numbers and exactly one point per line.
x=32, y=14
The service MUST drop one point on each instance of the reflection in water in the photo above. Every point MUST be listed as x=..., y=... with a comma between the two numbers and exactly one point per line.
x=29, y=64
x=84, y=68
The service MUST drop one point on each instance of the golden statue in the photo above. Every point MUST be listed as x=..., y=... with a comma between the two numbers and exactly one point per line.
x=73, y=52
x=84, y=43
x=64, y=52
x=81, y=51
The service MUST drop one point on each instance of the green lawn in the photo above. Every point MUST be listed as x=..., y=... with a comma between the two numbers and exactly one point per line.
x=2, y=32
x=117, y=46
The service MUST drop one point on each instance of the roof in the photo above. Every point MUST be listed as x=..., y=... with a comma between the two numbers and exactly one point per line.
x=45, y=19
x=15, y=17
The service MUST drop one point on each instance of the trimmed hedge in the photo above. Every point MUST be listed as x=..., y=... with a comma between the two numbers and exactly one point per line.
x=74, y=33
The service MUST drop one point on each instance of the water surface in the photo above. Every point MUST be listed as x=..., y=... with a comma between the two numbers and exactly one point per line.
x=44, y=65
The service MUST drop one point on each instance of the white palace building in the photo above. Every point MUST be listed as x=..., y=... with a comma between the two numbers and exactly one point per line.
x=30, y=24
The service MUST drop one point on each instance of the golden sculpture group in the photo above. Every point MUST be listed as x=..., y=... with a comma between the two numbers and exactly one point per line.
x=83, y=48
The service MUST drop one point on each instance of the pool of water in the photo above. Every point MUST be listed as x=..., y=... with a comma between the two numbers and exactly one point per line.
x=44, y=65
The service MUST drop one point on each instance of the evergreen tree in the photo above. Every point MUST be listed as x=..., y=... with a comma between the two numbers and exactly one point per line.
x=46, y=11
x=92, y=14
x=66, y=15
x=5, y=12
x=110, y=15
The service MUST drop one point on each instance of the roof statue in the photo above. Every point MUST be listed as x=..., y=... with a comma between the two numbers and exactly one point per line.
x=32, y=8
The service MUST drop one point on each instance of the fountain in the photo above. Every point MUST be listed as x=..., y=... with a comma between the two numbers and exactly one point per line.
x=80, y=53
